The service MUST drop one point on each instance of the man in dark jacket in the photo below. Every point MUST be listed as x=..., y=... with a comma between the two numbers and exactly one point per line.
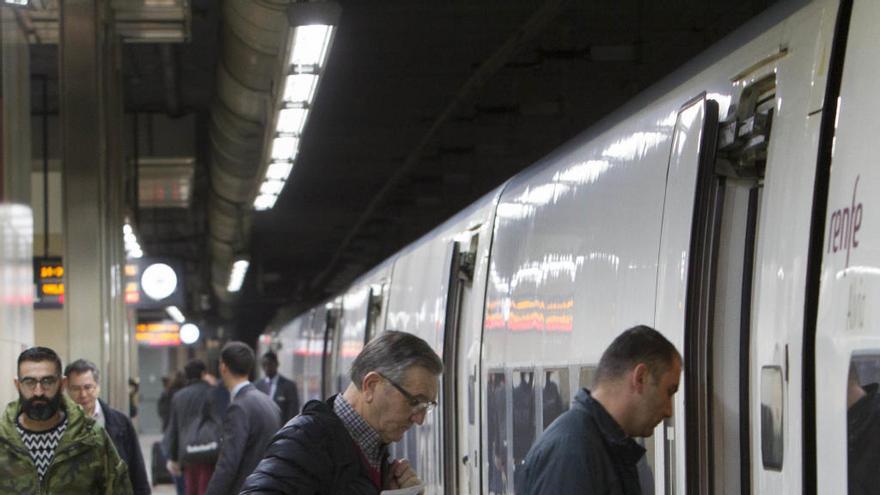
x=863, y=434
x=340, y=446
x=83, y=386
x=188, y=406
x=589, y=448
x=251, y=420
x=282, y=390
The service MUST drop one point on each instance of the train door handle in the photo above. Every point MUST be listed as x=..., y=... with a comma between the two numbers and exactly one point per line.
x=464, y=460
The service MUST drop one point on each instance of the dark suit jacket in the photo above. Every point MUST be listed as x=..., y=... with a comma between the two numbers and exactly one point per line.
x=286, y=396
x=252, y=418
x=125, y=440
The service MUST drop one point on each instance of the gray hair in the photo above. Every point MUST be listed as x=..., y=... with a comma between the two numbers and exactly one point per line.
x=391, y=354
x=82, y=366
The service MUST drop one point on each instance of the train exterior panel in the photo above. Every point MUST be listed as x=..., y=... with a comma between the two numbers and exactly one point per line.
x=730, y=207
x=847, y=323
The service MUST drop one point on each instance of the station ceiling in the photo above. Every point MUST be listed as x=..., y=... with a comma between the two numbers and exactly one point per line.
x=423, y=108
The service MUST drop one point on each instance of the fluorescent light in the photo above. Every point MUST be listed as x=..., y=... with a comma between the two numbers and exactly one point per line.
x=174, y=312
x=126, y=230
x=265, y=201
x=18, y=3
x=291, y=120
x=236, y=275
x=310, y=45
x=189, y=333
x=270, y=186
x=285, y=147
x=279, y=170
x=300, y=88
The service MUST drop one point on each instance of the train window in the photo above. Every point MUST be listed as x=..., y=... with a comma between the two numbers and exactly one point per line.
x=496, y=432
x=772, y=417
x=524, y=420
x=863, y=423
x=554, y=395
x=586, y=376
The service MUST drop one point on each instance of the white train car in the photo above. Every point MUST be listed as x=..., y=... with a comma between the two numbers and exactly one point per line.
x=729, y=207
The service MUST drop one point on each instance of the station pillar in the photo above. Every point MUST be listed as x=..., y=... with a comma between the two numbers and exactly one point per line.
x=91, y=116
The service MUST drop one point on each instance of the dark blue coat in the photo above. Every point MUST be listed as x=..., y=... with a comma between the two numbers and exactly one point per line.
x=286, y=396
x=125, y=439
x=313, y=454
x=583, y=451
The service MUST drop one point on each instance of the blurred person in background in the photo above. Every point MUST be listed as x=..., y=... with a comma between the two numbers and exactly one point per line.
x=250, y=421
x=281, y=389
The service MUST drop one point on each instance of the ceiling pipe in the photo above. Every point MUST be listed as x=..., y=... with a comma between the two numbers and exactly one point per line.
x=254, y=36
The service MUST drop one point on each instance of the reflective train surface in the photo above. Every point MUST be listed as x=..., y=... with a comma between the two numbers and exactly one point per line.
x=730, y=207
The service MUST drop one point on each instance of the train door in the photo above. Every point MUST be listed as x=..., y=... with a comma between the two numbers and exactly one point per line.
x=331, y=350
x=847, y=339
x=460, y=378
x=710, y=222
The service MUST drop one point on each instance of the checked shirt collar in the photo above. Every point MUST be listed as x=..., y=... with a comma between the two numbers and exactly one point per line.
x=364, y=435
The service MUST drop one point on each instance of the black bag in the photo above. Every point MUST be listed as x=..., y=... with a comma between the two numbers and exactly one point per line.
x=157, y=466
x=202, y=439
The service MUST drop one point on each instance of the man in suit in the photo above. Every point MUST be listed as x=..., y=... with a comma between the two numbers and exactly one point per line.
x=252, y=418
x=83, y=387
x=282, y=390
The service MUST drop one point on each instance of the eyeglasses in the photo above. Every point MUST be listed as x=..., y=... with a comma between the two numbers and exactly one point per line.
x=415, y=404
x=87, y=388
x=30, y=383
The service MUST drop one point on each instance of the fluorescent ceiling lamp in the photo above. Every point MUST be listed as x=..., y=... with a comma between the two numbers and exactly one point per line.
x=270, y=186
x=310, y=45
x=126, y=230
x=279, y=170
x=265, y=201
x=16, y=3
x=236, y=275
x=291, y=120
x=300, y=88
x=285, y=147
x=174, y=312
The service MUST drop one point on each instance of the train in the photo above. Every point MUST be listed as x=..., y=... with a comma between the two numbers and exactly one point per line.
x=729, y=206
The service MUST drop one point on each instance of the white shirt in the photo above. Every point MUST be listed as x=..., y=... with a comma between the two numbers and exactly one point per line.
x=236, y=389
x=273, y=385
x=98, y=415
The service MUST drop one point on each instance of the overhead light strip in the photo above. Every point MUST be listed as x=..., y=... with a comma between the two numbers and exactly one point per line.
x=308, y=51
x=237, y=274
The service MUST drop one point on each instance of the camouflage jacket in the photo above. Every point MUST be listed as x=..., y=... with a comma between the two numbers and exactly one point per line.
x=85, y=460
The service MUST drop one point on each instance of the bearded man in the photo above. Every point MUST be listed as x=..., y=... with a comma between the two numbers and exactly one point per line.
x=47, y=444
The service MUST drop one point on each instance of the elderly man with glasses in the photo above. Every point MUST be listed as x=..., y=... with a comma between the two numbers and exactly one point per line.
x=340, y=446
x=84, y=387
x=47, y=443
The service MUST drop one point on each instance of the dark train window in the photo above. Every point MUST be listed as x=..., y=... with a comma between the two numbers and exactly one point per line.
x=772, y=419
x=496, y=432
x=554, y=395
x=863, y=424
x=586, y=377
x=524, y=418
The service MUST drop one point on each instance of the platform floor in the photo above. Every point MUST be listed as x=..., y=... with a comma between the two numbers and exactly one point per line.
x=146, y=447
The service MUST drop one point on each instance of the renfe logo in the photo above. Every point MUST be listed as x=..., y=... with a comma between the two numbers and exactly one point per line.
x=844, y=226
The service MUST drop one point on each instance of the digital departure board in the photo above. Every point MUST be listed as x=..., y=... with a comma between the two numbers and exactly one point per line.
x=49, y=283
x=158, y=333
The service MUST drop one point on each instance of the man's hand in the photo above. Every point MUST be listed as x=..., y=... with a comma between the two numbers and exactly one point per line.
x=173, y=467
x=402, y=475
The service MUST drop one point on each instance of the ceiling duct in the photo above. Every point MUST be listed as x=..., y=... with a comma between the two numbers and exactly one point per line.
x=254, y=37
